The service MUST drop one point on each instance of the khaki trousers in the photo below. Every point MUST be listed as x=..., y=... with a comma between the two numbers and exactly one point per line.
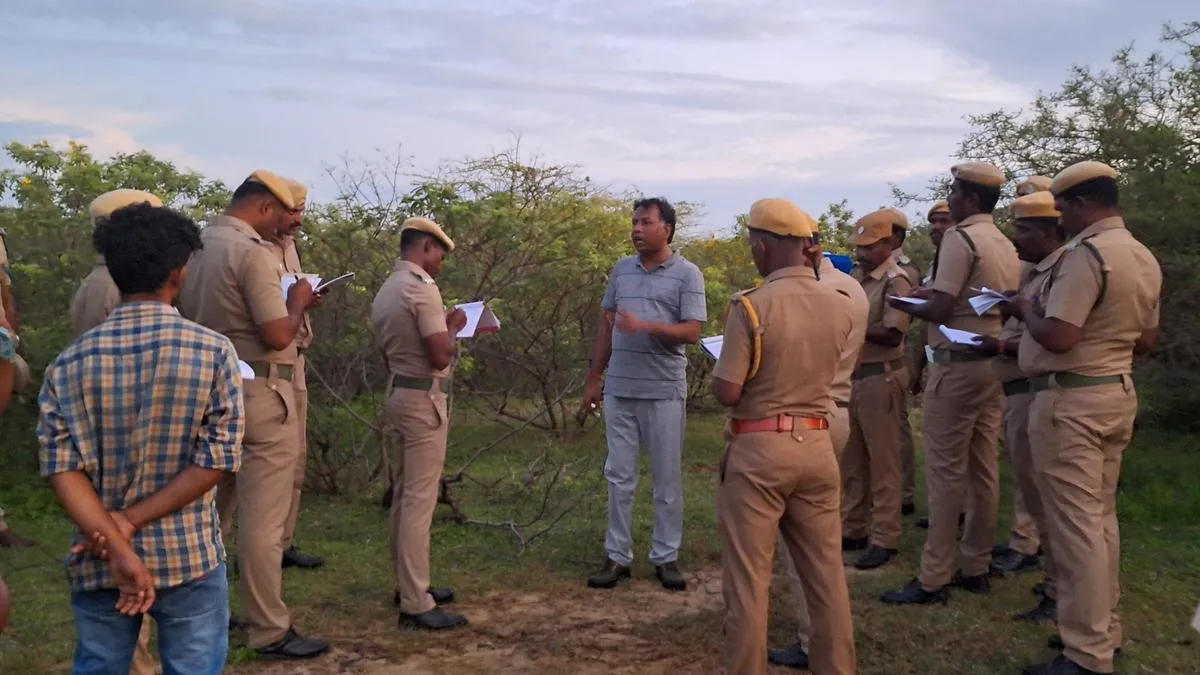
x=415, y=428
x=789, y=484
x=1079, y=437
x=872, y=456
x=839, y=434
x=143, y=660
x=264, y=497
x=963, y=407
x=1026, y=500
x=908, y=457
x=300, y=385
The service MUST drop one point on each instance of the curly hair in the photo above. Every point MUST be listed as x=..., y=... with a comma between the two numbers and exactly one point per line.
x=143, y=244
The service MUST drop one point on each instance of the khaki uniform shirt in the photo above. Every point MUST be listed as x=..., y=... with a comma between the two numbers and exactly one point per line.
x=908, y=267
x=1032, y=277
x=407, y=309
x=853, y=292
x=1111, y=323
x=806, y=327
x=233, y=287
x=887, y=279
x=95, y=299
x=291, y=265
x=993, y=263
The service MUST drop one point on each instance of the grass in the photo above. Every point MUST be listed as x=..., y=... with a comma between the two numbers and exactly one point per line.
x=531, y=613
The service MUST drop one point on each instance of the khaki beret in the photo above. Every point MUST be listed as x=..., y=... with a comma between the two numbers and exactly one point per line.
x=1080, y=173
x=875, y=226
x=979, y=173
x=103, y=206
x=428, y=227
x=940, y=206
x=1035, y=205
x=781, y=217
x=278, y=185
x=1033, y=184
x=299, y=194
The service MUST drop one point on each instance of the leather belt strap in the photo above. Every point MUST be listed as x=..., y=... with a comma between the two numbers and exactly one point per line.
x=873, y=369
x=417, y=383
x=779, y=424
x=842, y=404
x=1071, y=381
x=947, y=356
x=266, y=371
x=1017, y=387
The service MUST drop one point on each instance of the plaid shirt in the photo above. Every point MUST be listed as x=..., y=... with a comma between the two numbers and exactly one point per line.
x=131, y=404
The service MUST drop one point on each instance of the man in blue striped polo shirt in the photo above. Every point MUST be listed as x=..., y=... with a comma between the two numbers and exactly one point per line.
x=653, y=307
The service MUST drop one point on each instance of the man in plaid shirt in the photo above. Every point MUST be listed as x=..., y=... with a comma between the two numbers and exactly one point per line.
x=141, y=417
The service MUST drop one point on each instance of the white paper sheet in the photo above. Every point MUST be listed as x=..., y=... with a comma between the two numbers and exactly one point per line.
x=911, y=301
x=712, y=345
x=959, y=337
x=480, y=319
x=289, y=280
x=986, y=300
x=1196, y=619
x=247, y=371
x=334, y=284
x=928, y=354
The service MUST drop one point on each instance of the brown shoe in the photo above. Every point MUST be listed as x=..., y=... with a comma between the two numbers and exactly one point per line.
x=10, y=539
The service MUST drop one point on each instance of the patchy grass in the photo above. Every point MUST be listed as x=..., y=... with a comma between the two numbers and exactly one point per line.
x=531, y=613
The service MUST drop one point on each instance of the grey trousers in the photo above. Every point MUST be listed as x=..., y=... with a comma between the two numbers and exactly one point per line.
x=656, y=426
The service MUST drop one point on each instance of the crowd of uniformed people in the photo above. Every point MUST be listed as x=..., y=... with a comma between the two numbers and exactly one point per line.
x=180, y=408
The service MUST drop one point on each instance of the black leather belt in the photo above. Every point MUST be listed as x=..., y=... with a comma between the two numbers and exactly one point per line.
x=263, y=370
x=417, y=383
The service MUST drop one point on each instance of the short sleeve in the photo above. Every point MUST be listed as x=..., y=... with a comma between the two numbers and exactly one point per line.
x=692, y=303
x=1076, y=287
x=953, y=264
x=219, y=446
x=609, y=302
x=56, y=451
x=428, y=310
x=892, y=317
x=261, y=286
x=737, y=347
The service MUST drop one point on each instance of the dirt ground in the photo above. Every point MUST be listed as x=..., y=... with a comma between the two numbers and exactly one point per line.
x=638, y=628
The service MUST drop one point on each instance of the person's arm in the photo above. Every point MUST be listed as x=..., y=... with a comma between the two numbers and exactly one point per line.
x=953, y=268
x=10, y=307
x=693, y=312
x=278, y=320
x=737, y=352
x=8, y=371
x=436, y=326
x=892, y=326
x=1149, y=337
x=1058, y=326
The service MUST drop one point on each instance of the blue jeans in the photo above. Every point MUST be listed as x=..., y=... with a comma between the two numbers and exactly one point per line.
x=193, y=629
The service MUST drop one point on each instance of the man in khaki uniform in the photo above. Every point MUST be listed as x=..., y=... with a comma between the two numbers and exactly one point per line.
x=780, y=469
x=286, y=248
x=877, y=400
x=416, y=335
x=233, y=286
x=1020, y=553
x=963, y=399
x=796, y=656
x=1038, y=237
x=908, y=450
x=94, y=300
x=97, y=295
x=1097, y=308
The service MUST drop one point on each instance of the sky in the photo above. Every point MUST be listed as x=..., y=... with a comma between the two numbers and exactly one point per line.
x=716, y=102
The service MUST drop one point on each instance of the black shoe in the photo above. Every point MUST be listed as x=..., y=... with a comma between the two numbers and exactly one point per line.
x=855, y=543
x=434, y=619
x=1039, y=589
x=979, y=584
x=875, y=557
x=292, y=557
x=293, y=646
x=670, y=576
x=442, y=596
x=1013, y=562
x=1046, y=610
x=1056, y=642
x=236, y=622
x=1060, y=666
x=792, y=657
x=913, y=594
x=908, y=509
x=1000, y=549
x=923, y=523
x=609, y=575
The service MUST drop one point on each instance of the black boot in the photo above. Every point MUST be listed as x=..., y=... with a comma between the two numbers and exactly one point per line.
x=609, y=575
x=914, y=594
x=792, y=657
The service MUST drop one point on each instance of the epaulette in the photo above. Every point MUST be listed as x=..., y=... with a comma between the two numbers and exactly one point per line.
x=756, y=332
x=1096, y=255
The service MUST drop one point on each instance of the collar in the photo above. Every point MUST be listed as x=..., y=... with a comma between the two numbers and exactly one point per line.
x=144, y=308
x=889, y=265
x=226, y=220
x=976, y=219
x=406, y=266
x=1103, y=225
x=1051, y=260
x=794, y=271
x=664, y=264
